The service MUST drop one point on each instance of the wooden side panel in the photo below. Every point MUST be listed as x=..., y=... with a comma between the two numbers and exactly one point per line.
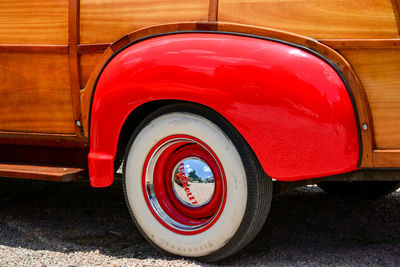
x=34, y=93
x=34, y=21
x=379, y=71
x=316, y=18
x=87, y=63
x=104, y=21
x=387, y=158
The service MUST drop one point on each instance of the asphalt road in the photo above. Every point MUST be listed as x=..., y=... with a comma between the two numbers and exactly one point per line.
x=72, y=224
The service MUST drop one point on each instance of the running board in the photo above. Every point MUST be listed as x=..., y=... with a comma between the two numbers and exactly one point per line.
x=40, y=172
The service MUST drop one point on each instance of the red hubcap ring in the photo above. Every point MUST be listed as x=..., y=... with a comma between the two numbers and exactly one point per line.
x=158, y=190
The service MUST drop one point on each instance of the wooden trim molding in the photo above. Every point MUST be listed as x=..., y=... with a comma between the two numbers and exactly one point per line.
x=120, y=43
x=389, y=158
x=339, y=44
x=213, y=10
x=345, y=68
x=73, y=40
x=396, y=11
x=42, y=139
x=362, y=43
x=92, y=48
x=31, y=48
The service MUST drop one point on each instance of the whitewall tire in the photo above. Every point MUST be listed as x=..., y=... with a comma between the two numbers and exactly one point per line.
x=214, y=213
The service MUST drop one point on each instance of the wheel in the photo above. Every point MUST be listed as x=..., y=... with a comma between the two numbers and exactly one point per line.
x=360, y=189
x=169, y=159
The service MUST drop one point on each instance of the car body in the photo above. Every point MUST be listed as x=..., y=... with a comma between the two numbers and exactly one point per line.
x=305, y=89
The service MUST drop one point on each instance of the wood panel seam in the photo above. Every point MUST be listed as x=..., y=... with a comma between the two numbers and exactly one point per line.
x=396, y=11
x=362, y=43
x=92, y=48
x=213, y=10
x=33, y=48
x=73, y=40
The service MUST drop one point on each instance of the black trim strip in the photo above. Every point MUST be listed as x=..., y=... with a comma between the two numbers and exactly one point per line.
x=245, y=35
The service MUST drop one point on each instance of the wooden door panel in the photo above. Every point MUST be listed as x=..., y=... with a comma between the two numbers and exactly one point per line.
x=316, y=18
x=35, y=93
x=379, y=72
x=34, y=21
x=105, y=21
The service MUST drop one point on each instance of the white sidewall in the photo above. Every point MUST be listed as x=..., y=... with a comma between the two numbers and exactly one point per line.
x=220, y=232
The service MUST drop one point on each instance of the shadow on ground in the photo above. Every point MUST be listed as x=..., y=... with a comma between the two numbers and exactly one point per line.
x=304, y=226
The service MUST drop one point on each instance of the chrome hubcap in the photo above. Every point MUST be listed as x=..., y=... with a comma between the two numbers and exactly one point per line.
x=193, y=182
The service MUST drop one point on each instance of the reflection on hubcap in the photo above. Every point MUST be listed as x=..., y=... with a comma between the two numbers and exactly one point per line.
x=193, y=182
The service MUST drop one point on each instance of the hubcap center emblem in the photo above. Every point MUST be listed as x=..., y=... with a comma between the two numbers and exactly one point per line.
x=193, y=182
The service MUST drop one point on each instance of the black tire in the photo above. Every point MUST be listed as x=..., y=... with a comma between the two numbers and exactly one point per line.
x=360, y=189
x=258, y=193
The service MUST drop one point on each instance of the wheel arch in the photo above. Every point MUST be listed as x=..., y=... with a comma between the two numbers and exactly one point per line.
x=137, y=115
x=125, y=128
x=132, y=122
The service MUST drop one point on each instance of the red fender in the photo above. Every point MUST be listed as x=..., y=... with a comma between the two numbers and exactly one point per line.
x=290, y=105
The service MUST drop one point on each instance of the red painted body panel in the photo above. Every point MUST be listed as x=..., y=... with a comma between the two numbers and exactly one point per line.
x=291, y=106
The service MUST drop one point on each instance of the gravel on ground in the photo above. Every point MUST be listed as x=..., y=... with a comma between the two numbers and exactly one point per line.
x=72, y=224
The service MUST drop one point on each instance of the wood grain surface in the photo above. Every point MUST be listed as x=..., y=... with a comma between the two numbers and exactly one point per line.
x=34, y=93
x=104, y=21
x=38, y=172
x=362, y=43
x=315, y=18
x=92, y=48
x=34, y=21
x=87, y=63
x=74, y=74
x=379, y=71
x=396, y=9
x=213, y=10
x=388, y=158
x=33, y=48
x=86, y=93
x=41, y=139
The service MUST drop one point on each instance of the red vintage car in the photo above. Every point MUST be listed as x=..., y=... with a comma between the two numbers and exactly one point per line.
x=205, y=104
